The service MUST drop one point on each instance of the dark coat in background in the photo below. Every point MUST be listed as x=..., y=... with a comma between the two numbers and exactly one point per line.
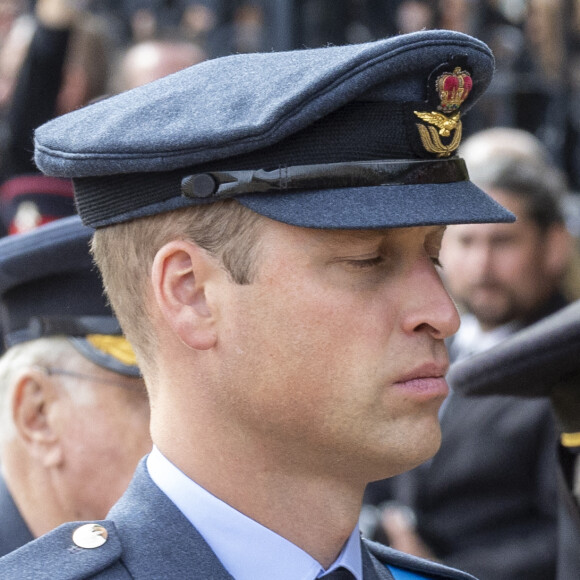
x=13, y=530
x=487, y=502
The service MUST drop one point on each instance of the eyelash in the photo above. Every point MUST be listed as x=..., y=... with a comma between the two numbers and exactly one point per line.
x=376, y=261
x=380, y=260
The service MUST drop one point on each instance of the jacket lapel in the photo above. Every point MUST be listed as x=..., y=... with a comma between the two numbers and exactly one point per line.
x=158, y=541
x=373, y=569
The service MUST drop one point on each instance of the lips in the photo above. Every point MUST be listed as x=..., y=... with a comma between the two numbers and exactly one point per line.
x=425, y=382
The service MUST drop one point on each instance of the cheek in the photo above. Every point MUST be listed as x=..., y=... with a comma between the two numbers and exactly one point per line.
x=459, y=265
x=129, y=438
x=519, y=264
x=111, y=438
x=312, y=351
x=321, y=326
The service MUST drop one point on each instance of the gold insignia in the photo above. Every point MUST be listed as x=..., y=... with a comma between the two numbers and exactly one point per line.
x=441, y=133
x=453, y=89
x=431, y=137
x=445, y=124
x=570, y=439
x=116, y=346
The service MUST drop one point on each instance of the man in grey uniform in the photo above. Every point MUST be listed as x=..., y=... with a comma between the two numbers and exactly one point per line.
x=268, y=229
x=74, y=412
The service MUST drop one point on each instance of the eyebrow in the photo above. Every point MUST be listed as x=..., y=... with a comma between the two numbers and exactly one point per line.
x=370, y=234
x=379, y=236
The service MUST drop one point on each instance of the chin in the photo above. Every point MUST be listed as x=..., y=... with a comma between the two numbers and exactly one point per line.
x=396, y=461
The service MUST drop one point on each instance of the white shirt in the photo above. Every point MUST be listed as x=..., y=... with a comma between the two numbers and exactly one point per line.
x=471, y=339
x=246, y=549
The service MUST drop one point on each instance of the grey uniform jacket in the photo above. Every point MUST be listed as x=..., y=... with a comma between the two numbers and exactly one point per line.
x=13, y=530
x=149, y=539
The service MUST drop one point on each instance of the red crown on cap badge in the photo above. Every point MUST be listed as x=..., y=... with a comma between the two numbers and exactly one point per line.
x=453, y=89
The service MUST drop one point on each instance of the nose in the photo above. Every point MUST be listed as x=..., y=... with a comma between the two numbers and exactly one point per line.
x=429, y=309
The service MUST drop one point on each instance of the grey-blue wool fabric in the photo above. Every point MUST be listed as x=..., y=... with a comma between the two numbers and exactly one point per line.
x=358, y=136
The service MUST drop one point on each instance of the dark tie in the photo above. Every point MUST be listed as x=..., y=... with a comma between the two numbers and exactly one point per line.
x=338, y=574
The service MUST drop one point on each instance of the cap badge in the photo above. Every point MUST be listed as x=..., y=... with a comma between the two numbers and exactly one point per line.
x=452, y=90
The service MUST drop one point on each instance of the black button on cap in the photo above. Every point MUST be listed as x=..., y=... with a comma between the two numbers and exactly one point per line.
x=200, y=185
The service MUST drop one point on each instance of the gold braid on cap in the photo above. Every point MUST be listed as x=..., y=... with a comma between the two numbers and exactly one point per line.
x=116, y=346
x=570, y=439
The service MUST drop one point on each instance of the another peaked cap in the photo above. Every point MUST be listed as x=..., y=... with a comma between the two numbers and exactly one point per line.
x=241, y=103
x=311, y=138
x=49, y=286
x=529, y=363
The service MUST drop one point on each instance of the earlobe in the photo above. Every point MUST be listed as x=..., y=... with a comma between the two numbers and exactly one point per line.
x=33, y=397
x=181, y=275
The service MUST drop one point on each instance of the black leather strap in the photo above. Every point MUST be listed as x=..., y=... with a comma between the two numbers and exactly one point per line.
x=223, y=184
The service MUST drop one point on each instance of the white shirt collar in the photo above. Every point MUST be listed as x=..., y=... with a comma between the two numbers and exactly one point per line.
x=472, y=339
x=247, y=549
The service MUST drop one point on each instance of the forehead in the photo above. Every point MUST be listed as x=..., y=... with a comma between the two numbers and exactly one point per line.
x=339, y=238
x=515, y=201
x=523, y=228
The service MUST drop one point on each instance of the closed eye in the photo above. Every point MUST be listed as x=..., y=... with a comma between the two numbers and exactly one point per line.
x=367, y=263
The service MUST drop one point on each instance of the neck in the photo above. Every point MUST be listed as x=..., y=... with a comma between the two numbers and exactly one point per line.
x=314, y=511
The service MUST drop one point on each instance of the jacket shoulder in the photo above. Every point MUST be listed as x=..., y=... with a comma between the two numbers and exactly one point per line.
x=72, y=551
x=389, y=557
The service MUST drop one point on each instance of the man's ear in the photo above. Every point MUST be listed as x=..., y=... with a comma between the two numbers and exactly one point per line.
x=181, y=275
x=33, y=400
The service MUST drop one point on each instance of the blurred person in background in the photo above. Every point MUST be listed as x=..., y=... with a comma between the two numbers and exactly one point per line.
x=413, y=15
x=149, y=60
x=66, y=65
x=74, y=413
x=14, y=44
x=541, y=362
x=508, y=277
x=29, y=201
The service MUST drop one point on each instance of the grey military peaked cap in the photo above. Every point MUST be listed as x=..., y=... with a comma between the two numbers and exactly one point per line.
x=49, y=286
x=357, y=136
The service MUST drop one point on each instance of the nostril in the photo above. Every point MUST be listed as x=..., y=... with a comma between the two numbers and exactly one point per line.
x=425, y=327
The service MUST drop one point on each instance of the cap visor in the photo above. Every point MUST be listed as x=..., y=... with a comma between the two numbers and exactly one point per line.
x=382, y=206
x=102, y=359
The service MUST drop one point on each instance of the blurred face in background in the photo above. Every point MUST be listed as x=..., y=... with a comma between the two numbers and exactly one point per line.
x=500, y=272
x=103, y=422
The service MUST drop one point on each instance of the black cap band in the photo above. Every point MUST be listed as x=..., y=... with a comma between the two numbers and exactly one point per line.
x=224, y=184
x=41, y=326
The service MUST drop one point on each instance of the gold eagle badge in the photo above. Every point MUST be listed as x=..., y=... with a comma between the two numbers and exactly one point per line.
x=452, y=90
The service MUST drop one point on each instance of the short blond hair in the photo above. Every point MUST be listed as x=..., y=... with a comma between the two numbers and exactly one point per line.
x=125, y=252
